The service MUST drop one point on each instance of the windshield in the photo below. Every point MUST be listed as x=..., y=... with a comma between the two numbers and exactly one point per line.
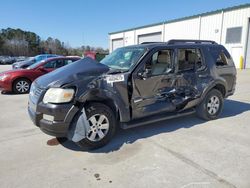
x=35, y=64
x=123, y=58
x=39, y=58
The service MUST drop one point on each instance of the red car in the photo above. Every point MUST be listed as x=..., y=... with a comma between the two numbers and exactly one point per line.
x=19, y=81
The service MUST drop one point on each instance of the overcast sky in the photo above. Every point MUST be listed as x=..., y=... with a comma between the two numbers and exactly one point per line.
x=88, y=22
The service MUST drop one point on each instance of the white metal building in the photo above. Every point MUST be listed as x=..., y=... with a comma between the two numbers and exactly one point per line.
x=229, y=27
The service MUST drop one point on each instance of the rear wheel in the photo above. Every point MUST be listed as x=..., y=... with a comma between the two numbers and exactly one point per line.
x=102, y=123
x=211, y=106
x=21, y=86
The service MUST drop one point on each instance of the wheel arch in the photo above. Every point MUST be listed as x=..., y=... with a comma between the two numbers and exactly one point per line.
x=112, y=100
x=18, y=78
x=219, y=85
x=106, y=101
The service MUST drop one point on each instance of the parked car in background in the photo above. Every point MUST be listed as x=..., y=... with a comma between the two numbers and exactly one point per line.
x=32, y=60
x=133, y=86
x=21, y=58
x=73, y=56
x=6, y=60
x=19, y=81
x=95, y=55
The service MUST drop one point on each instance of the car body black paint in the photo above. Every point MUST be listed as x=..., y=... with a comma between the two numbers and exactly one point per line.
x=134, y=97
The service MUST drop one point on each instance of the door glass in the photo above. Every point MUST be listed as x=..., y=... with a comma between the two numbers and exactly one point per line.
x=68, y=61
x=50, y=65
x=59, y=63
x=160, y=63
x=188, y=59
x=220, y=56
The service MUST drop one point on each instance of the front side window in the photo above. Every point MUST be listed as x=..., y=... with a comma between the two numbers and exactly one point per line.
x=54, y=64
x=160, y=63
x=123, y=58
x=189, y=59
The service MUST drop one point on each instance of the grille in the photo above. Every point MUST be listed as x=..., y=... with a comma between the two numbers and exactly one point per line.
x=38, y=91
x=35, y=92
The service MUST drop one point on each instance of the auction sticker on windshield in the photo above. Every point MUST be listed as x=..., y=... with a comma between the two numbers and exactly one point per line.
x=115, y=78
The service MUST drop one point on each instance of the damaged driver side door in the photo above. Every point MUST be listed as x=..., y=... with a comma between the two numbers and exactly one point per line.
x=153, y=81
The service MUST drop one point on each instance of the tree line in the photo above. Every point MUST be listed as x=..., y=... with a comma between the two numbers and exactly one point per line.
x=16, y=42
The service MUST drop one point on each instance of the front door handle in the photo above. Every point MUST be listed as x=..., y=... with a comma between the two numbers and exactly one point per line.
x=203, y=75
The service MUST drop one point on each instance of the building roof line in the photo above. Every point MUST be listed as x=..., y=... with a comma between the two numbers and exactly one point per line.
x=186, y=18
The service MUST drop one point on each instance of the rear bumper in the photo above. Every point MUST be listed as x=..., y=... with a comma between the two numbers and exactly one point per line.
x=62, y=116
x=229, y=93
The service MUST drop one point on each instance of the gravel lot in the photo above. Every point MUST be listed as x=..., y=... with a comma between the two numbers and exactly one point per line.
x=178, y=153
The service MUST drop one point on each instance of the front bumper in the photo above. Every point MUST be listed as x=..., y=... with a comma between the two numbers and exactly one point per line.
x=62, y=116
x=5, y=85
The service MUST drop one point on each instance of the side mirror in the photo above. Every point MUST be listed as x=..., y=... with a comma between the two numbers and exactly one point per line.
x=169, y=70
x=41, y=69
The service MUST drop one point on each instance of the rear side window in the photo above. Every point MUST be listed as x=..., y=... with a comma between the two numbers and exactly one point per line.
x=220, y=56
x=68, y=61
x=189, y=59
x=221, y=60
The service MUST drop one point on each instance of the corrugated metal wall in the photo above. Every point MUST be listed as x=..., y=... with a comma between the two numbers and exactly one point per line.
x=207, y=27
x=210, y=28
x=186, y=29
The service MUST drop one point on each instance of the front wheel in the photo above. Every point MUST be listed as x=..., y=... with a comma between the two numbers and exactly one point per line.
x=211, y=106
x=102, y=123
x=21, y=86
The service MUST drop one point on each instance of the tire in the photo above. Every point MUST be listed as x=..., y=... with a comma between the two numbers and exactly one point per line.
x=21, y=86
x=93, y=140
x=211, y=106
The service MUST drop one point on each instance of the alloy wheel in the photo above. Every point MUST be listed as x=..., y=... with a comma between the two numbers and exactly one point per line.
x=22, y=86
x=99, y=126
x=213, y=105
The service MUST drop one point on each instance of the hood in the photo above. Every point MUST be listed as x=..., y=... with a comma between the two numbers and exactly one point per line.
x=83, y=69
x=14, y=71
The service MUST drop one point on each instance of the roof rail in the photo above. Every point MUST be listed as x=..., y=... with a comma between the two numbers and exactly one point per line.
x=174, y=41
x=153, y=42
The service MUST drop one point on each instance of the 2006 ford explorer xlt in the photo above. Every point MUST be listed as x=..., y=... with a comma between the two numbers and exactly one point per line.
x=135, y=85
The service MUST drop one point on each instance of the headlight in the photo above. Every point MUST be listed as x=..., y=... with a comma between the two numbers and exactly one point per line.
x=4, y=76
x=58, y=95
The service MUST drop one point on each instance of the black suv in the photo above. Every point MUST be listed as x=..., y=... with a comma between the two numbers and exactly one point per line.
x=133, y=86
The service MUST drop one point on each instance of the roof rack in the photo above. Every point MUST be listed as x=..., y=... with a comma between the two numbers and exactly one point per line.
x=153, y=42
x=174, y=41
